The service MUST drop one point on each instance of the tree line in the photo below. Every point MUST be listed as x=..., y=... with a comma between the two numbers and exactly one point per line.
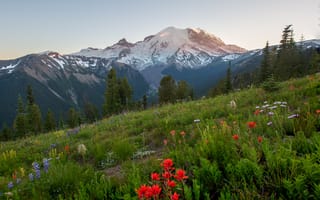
x=279, y=63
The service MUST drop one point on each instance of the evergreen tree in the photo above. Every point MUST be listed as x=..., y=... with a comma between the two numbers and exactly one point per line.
x=167, y=90
x=30, y=97
x=125, y=93
x=90, y=112
x=228, y=85
x=265, y=68
x=34, y=119
x=184, y=91
x=50, y=122
x=144, y=101
x=6, y=133
x=73, y=118
x=112, y=98
x=20, y=122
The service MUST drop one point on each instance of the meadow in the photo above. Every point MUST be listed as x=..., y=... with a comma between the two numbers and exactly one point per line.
x=249, y=144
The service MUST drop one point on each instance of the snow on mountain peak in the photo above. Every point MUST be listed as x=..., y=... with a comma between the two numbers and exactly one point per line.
x=186, y=47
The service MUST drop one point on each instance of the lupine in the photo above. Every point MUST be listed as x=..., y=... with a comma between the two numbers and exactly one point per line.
x=36, y=166
x=10, y=185
x=45, y=165
x=38, y=174
x=31, y=177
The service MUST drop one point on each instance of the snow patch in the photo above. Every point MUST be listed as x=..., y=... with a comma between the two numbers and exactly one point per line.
x=11, y=66
x=230, y=57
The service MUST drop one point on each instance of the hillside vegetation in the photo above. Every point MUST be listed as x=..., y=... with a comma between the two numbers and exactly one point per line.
x=249, y=144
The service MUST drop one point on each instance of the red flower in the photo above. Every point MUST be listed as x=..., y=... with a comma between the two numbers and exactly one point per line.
x=318, y=111
x=175, y=196
x=166, y=175
x=257, y=112
x=251, y=124
x=156, y=190
x=171, y=183
x=172, y=132
x=260, y=139
x=143, y=191
x=180, y=175
x=155, y=176
x=235, y=136
x=67, y=148
x=14, y=176
x=182, y=133
x=167, y=164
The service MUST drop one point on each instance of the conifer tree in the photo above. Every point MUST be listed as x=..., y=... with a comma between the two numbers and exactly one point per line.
x=144, y=102
x=184, y=91
x=50, y=122
x=6, y=133
x=20, y=122
x=73, y=118
x=265, y=68
x=112, y=98
x=34, y=120
x=167, y=90
x=125, y=93
x=228, y=85
x=90, y=112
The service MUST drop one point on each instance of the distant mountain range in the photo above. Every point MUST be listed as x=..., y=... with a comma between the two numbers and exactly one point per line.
x=63, y=81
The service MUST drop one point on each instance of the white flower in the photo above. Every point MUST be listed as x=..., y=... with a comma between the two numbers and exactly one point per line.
x=196, y=120
x=233, y=104
x=82, y=149
x=269, y=123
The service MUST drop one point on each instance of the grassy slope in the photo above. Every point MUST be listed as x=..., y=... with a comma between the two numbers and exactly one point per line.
x=114, y=144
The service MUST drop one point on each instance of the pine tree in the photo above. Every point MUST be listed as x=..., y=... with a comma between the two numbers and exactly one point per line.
x=125, y=93
x=265, y=68
x=20, y=122
x=184, y=91
x=228, y=85
x=167, y=90
x=6, y=133
x=30, y=97
x=50, y=122
x=112, y=98
x=90, y=112
x=144, y=101
x=73, y=118
x=34, y=119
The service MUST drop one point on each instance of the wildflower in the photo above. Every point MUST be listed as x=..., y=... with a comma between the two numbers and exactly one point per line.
x=175, y=196
x=46, y=165
x=283, y=106
x=165, y=142
x=269, y=123
x=270, y=113
x=22, y=172
x=143, y=192
x=14, y=176
x=233, y=104
x=257, y=112
x=82, y=149
x=9, y=194
x=180, y=175
x=318, y=111
x=196, y=121
x=38, y=174
x=18, y=180
x=36, y=166
x=167, y=164
x=293, y=116
x=166, y=175
x=171, y=183
x=257, y=107
x=67, y=148
x=172, y=132
x=260, y=139
x=235, y=136
x=251, y=124
x=10, y=185
x=52, y=146
x=156, y=190
x=31, y=177
x=272, y=107
x=155, y=176
x=182, y=133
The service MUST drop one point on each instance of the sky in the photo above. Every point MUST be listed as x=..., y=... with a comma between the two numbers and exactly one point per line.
x=67, y=26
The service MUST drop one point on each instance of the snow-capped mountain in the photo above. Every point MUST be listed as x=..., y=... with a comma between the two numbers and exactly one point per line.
x=192, y=48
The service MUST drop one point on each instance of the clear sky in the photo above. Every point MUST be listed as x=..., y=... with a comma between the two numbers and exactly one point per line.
x=66, y=26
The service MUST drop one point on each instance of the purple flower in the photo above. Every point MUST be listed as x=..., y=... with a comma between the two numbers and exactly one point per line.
x=31, y=177
x=45, y=165
x=38, y=174
x=270, y=113
x=10, y=185
x=36, y=166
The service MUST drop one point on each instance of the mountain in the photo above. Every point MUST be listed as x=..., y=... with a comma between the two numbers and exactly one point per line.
x=63, y=81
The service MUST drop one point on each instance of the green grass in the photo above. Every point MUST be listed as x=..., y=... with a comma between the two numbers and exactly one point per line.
x=123, y=150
